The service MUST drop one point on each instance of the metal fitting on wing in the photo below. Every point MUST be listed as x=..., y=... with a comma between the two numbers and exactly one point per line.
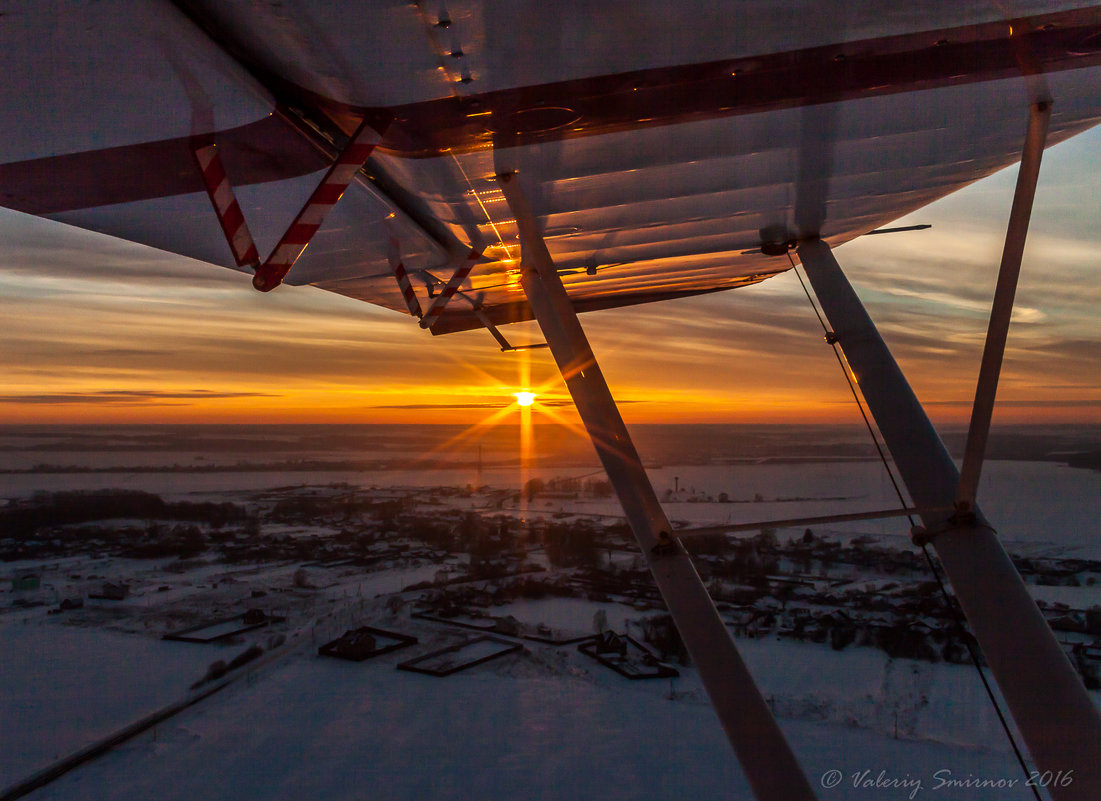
x=267, y=278
x=920, y=536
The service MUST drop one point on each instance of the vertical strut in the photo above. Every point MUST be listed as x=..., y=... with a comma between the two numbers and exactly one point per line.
x=765, y=756
x=1047, y=699
x=1002, y=309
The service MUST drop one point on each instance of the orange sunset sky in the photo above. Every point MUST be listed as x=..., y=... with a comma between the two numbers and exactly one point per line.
x=96, y=330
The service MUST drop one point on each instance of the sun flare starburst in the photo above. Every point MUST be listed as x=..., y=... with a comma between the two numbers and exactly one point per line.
x=525, y=398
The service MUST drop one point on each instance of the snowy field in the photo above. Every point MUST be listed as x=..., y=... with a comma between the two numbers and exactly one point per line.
x=548, y=724
x=64, y=687
x=545, y=724
x=514, y=729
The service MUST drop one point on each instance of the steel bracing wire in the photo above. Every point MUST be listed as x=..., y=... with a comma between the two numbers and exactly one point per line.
x=967, y=638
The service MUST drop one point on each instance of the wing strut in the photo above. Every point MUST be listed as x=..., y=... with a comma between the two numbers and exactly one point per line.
x=226, y=207
x=765, y=756
x=397, y=266
x=291, y=245
x=439, y=303
x=1002, y=308
x=1047, y=699
x=506, y=347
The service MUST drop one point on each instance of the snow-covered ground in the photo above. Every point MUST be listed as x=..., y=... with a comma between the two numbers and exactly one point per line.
x=545, y=724
x=64, y=687
x=1074, y=597
x=549, y=724
x=531, y=727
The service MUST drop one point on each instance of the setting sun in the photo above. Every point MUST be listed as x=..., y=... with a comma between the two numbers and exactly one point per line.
x=525, y=398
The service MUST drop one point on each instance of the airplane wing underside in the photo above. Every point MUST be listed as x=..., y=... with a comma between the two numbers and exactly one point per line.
x=659, y=152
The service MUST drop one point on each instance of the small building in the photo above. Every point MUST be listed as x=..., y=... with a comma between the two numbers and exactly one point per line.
x=609, y=643
x=626, y=656
x=25, y=581
x=113, y=592
x=364, y=643
x=507, y=625
x=356, y=645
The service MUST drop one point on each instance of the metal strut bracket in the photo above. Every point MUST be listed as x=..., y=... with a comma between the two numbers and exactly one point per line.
x=483, y=318
x=271, y=273
x=444, y=296
x=440, y=301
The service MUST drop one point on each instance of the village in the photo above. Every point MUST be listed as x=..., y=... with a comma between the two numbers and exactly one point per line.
x=464, y=556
